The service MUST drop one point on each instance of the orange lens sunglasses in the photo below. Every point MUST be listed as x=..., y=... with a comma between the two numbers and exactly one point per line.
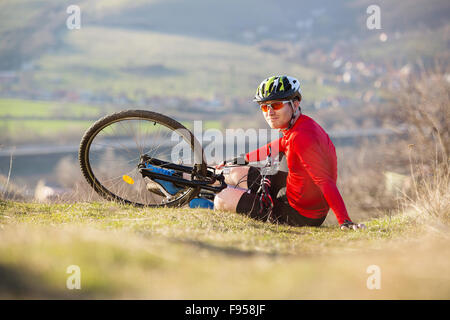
x=277, y=105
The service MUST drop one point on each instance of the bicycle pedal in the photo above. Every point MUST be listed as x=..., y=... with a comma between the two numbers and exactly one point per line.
x=155, y=188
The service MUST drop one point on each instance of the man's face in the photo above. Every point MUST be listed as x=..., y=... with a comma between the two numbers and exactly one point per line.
x=279, y=119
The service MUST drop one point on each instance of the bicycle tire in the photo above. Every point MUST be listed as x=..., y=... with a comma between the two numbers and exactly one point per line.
x=169, y=123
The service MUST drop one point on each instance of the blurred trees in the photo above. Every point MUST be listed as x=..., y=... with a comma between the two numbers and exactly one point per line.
x=420, y=104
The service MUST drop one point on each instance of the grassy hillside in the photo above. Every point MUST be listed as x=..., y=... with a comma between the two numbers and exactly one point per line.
x=200, y=254
x=116, y=61
x=123, y=59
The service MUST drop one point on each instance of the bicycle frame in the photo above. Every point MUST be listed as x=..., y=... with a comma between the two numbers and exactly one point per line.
x=204, y=182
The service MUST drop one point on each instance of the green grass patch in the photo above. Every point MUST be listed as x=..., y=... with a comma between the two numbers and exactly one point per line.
x=27, y=131
x=46, y=109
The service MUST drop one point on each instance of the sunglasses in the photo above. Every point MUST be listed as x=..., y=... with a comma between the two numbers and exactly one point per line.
x=277, y=105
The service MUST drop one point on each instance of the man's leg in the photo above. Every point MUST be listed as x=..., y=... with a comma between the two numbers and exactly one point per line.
x=228, y=198
x=245, y=200
x=240, y=201
x=237, y=176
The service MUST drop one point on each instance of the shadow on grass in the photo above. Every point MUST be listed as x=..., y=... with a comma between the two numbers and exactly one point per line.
x=286, y=228
x=20, y=283
x=229, y=251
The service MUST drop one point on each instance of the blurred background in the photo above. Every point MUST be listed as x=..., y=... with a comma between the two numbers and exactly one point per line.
x=382, y=94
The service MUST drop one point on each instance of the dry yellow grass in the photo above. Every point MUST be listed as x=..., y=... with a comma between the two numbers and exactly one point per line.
x=198, y=254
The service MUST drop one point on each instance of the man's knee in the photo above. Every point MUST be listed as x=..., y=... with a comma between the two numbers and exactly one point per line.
x=219, y=201
x=238, y=176
x=227, y=199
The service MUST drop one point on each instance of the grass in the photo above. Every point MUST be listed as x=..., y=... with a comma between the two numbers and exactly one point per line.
x=38, y=124
x=25, y=121
x=28, y=131
x=45, y=109
x=124, y=252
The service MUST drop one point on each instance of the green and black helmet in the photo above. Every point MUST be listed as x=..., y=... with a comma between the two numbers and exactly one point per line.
x=278, y=88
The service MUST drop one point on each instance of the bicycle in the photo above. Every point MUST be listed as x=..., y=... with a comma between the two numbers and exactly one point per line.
x=128, y=157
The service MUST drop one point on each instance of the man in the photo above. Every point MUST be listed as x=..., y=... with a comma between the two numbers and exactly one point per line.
x=304, y=195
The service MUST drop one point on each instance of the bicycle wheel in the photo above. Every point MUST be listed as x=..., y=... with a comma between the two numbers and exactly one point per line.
x=111, y=150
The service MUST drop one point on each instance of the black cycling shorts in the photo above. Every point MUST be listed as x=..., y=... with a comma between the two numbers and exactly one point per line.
x=282, y=212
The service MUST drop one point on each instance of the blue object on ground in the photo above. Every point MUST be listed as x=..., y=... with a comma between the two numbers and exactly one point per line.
x=201, y=203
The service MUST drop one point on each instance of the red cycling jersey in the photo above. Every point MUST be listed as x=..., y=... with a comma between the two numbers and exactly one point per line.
x=312, y=162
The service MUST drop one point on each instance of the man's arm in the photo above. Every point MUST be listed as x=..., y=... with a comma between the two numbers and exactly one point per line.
x=261, y=154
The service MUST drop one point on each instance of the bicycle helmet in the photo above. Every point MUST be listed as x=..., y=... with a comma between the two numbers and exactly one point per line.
x=278, y=88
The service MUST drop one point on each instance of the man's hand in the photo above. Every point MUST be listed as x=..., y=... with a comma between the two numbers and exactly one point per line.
x=348, y=225
x=241, y=160
x=220, y=166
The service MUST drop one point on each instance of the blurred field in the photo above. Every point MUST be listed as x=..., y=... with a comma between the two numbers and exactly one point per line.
x=33, y=130
x=46, y=109
x=26, y=121
x=29, y=131
x=152, y=62
x=200, y=254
